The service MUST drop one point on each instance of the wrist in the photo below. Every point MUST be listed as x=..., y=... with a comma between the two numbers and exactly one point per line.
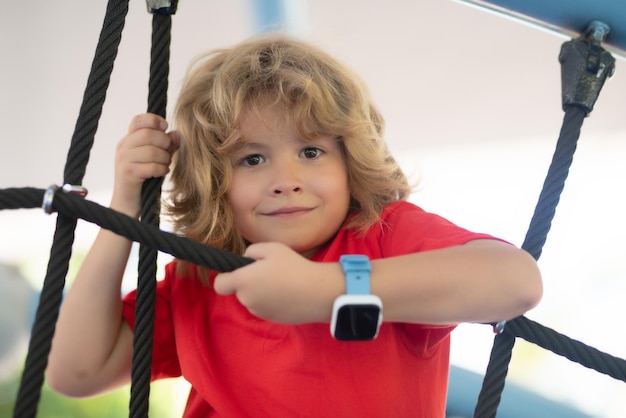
x=357, y=314
x=333, y=286
x=129, y=207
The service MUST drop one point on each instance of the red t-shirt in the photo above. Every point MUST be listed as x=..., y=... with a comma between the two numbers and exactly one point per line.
x=241, y=366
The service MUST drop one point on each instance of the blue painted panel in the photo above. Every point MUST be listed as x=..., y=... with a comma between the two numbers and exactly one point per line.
x=568, y=17
x=270, y=15
x=516, y=402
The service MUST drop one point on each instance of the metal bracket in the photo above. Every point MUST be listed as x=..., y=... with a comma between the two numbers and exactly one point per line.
x=48, y=196
x=498, y=327
x=585, y=66
x=162, y=7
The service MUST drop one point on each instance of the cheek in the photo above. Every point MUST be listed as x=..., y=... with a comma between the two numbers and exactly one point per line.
x=347, y=196
x=335, y=186
x=238, y=195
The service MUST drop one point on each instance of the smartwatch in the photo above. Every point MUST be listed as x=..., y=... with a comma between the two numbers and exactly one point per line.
x=357, y=315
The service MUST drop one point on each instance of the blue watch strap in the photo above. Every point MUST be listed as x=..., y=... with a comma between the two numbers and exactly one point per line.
x=357, y=269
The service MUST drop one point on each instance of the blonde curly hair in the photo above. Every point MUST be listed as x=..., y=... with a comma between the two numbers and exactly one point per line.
x=320, y=96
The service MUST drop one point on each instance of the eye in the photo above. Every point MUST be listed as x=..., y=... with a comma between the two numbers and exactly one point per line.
x=252, y=160
x=311, y=153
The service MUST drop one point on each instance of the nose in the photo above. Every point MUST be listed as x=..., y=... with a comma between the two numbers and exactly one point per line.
x=287, y=178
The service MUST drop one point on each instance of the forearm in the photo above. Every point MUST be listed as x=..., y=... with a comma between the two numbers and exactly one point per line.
x=481, y=281
x=92, y=346
x=85, y=345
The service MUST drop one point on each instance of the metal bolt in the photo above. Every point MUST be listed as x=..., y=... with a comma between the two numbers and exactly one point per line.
x=598, y=31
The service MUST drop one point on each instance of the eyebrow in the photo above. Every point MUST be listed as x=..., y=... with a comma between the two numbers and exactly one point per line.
x=250, y=144
x=247, y=144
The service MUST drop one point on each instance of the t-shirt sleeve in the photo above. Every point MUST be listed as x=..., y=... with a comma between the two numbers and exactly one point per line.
x=164, y=355
x=408, y=228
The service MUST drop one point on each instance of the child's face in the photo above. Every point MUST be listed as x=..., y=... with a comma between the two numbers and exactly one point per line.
x=285, y=189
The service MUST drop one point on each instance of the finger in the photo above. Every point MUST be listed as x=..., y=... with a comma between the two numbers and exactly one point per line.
x=150, y=154
x=147, y=136
x=143, y=162
x=147, y=170
x=137, y=173
x=147, y=120
x=262, y=250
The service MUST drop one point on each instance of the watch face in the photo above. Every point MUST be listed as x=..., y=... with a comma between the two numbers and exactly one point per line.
x=357, y=322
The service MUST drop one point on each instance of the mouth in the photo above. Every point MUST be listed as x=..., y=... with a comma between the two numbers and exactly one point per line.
x=288, y=212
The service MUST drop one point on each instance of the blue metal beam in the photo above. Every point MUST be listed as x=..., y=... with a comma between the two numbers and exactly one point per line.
x=567, y=17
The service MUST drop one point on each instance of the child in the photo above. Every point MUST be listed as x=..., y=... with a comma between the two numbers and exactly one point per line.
x=279, y=156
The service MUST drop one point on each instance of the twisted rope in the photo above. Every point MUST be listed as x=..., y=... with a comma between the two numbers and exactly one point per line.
x=554, y=182
x=151, y=194
x=497, y=369
x=51, y=296
x=567, y=347
x=73, y=206
x=495, y=376
x=584, y=68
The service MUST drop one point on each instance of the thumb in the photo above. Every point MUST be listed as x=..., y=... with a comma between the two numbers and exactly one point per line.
x=175, y=138
x=224, y=284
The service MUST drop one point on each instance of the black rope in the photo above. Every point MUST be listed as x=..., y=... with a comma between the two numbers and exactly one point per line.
x=495, y=375
x=95, y=92
x=151, y=194
x=567, y=347
x=584, y=68
x=554, y=183
x=51, y=296
x=74, y=206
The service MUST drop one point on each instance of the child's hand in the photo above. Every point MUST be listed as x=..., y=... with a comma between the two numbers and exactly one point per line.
x=283, y=286
x=145, y=152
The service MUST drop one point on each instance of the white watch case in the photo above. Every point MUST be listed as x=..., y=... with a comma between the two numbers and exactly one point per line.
x=356, y=317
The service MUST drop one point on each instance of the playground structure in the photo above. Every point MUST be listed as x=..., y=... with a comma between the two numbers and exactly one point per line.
x=70, y=206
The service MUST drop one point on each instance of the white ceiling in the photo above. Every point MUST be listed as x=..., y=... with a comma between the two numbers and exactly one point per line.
x=442, y=73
